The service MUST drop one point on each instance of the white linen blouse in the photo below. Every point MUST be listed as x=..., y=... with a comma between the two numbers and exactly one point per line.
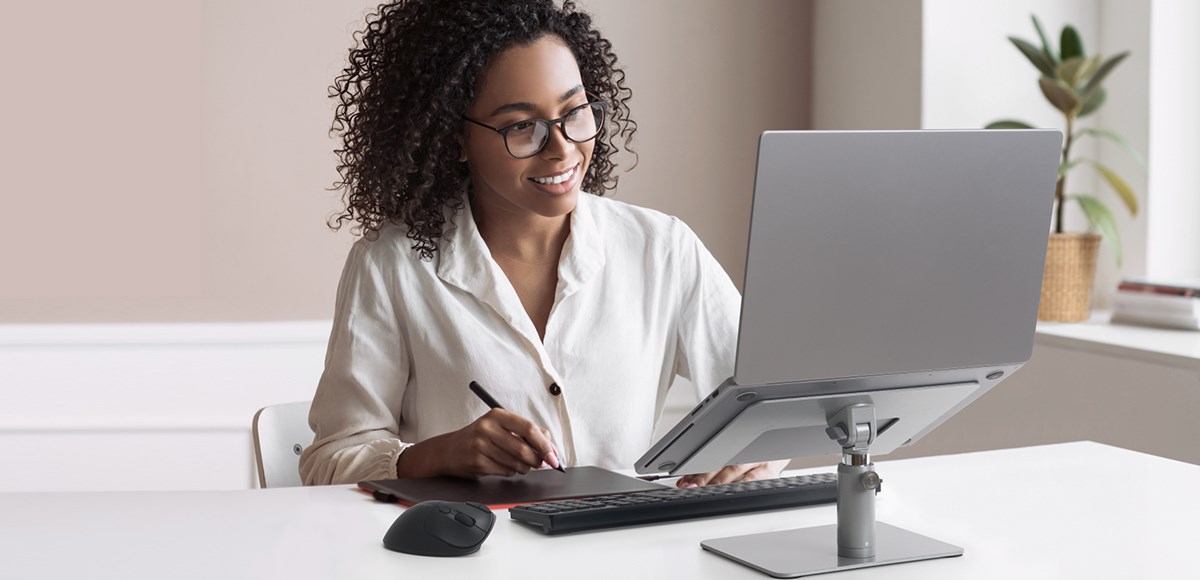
x=639, y=300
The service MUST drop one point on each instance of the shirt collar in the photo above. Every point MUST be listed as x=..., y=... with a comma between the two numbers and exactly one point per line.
x=583, y=253
x=463, y=259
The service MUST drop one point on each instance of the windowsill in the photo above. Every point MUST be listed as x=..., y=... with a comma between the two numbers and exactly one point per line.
x=1174, y=347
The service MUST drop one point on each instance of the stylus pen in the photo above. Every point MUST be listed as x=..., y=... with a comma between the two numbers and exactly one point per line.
x=492, y=403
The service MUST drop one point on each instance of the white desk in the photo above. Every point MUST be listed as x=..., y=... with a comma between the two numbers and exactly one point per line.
x=1075, y=510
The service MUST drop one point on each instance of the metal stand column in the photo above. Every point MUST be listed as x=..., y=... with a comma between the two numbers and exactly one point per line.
x=860, y=541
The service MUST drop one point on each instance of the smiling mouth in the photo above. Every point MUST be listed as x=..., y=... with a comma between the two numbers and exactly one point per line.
x=556, y=179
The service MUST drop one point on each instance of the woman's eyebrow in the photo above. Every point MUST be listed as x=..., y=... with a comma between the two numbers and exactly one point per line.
x=523, y=106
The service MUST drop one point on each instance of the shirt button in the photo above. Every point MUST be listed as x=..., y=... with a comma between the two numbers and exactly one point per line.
x=555, y=390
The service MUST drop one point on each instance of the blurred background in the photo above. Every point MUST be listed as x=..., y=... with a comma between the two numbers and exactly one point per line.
x=165, y=171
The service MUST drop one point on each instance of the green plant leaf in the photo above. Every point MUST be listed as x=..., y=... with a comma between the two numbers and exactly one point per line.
x=1118, y=185
x=1093, y=83
x=1047, y=50
x=1115, y=138
x=1090, y=66
x=1071, y=70
x=1071, y=44
x=1059, y=95
x=1093, y=102
x=1063, y=168
x=1035, y=56
x=1008, y=124
x=1101, y=219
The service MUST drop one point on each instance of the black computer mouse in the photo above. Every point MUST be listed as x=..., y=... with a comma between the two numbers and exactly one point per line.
x=440, y=528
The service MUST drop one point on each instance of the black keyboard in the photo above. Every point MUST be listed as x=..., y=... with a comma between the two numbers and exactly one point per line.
x=669, y=504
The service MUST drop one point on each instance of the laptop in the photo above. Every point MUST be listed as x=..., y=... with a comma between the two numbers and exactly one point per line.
x=877, y=260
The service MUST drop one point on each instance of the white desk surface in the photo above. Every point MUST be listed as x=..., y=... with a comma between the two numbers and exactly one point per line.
x=1078, y=510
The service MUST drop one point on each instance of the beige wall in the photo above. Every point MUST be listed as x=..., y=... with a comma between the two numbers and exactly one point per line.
x=166, y=161
x=866, y=64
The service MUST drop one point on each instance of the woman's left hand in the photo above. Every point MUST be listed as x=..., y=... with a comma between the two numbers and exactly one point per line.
x=731, y=473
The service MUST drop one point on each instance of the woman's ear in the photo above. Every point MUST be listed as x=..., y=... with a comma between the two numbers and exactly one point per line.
x=462, y=148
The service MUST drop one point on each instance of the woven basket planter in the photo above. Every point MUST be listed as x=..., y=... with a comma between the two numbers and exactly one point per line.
x=1069, y=276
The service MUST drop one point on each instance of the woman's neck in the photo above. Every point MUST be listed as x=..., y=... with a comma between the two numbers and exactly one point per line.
x=516, y=234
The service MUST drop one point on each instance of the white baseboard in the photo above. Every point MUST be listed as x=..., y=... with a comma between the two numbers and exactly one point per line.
x=145, y=406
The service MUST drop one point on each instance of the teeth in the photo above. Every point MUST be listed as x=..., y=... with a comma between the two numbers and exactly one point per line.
x=555, y=180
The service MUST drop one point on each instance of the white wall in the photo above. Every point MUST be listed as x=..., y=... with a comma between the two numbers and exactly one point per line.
x=1126, y=26
x=1174, y=217
x=973, y=75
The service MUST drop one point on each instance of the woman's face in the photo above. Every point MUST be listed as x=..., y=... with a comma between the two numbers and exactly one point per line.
x=539, y=81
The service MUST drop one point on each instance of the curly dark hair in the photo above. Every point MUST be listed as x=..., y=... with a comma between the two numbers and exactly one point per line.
x=413, y=74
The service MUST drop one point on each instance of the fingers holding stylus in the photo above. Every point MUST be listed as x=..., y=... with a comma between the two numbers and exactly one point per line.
x=488, y=447
x=532, y=436
x=512, y=441
x=532, y=443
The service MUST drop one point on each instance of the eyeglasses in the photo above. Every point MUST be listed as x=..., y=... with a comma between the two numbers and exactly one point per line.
x=527, y=138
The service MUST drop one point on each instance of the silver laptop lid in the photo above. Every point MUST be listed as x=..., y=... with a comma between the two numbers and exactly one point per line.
x=837, y=282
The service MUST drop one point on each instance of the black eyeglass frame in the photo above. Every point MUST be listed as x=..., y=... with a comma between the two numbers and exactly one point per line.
x=561, y=122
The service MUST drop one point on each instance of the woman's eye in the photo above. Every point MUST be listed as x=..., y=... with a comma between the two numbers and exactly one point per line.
x=523, y=126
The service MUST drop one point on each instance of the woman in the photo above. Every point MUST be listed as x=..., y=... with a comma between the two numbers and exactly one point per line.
x=478, y=137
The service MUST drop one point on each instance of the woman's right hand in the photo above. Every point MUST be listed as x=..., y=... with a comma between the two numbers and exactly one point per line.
x=498, y=443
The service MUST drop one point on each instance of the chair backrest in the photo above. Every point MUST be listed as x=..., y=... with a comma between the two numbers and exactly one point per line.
x=281, y=432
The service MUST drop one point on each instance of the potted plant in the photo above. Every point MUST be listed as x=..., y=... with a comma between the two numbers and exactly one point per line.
x=1073, y=83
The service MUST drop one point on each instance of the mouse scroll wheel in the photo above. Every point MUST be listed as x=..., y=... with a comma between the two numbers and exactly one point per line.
x=464, y=519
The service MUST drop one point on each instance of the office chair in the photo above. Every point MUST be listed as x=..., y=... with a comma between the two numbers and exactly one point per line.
x=281, y=432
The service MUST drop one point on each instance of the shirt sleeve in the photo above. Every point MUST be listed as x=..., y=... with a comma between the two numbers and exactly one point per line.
x=356, y=410
x=710, y=307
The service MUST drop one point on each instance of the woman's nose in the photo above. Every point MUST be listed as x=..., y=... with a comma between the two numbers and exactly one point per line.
x=557, y=144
